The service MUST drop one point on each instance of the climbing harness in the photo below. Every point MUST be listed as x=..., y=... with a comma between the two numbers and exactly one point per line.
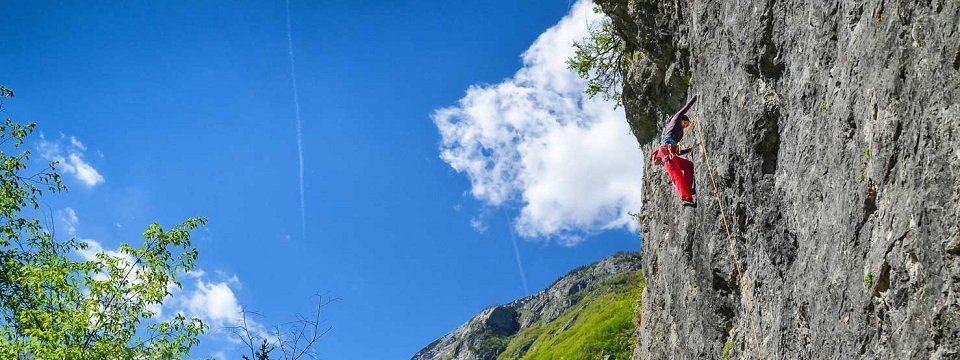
x=748, y=295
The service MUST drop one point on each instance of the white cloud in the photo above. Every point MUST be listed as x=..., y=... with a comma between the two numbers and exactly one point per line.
x=196, y=274
x=70, y=159
x=83, y=171
x=569, y=161
x=77, y=144
x=478, y=225
x=69, y=219
x=214, y=302
x=94, y=247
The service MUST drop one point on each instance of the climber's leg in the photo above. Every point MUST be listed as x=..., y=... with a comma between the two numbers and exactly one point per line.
x=672, y=166
x=687, y=167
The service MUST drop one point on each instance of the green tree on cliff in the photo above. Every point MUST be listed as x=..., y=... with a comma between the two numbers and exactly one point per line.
x=599, y=59
x=55, y=305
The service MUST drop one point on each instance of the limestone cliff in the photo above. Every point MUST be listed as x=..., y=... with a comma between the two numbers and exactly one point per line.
x=833, y=132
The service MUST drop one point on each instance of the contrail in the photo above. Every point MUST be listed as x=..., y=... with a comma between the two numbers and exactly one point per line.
x=296, y=103
x=516, y=254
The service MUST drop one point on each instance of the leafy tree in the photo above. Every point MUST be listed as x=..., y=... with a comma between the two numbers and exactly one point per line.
x=599, y=59
x=55, y=305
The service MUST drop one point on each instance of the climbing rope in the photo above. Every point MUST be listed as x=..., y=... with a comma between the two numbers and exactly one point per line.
x=748, y=295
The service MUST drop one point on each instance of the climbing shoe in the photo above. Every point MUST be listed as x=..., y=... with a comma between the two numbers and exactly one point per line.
x=689, y=203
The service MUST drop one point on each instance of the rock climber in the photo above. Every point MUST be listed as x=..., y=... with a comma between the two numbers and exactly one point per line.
x=668, y=154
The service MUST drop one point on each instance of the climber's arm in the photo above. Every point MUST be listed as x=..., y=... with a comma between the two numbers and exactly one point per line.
x=686, y=107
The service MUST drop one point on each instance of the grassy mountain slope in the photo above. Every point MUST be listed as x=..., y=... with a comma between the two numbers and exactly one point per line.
x=601, y=326
x=590, y=313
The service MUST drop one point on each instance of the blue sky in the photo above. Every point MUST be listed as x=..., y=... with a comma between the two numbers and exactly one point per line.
x=434, y=134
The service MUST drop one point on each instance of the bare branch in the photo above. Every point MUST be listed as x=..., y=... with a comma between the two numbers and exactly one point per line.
x=294, y=340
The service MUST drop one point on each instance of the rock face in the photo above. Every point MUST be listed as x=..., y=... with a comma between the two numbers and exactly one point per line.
x=486, y=335
x=833, y=131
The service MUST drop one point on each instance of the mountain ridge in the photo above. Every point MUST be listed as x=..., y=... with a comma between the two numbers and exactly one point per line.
x=491, y=332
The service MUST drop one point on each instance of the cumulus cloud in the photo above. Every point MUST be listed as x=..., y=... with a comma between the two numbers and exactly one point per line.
x=69, y=153
x=213, y=299
x=214, y=302
x=535, y=139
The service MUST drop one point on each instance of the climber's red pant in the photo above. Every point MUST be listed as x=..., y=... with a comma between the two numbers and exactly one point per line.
x=680, y=171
